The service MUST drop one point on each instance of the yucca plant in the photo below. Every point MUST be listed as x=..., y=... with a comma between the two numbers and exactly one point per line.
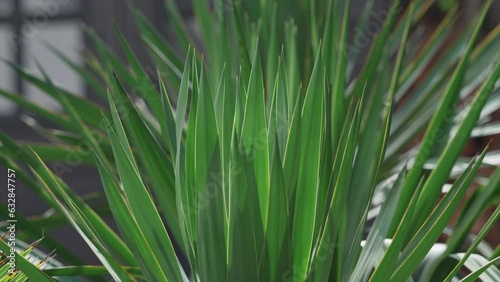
x=263, y=154
x=24, y=256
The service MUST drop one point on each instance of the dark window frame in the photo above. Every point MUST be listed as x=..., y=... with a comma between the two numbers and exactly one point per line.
x=16, y=21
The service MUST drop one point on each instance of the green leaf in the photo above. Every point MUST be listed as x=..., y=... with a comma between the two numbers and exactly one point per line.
x=432, y=188
x=30, y=270
x=332, y=209
x=254, y=135
x=338, y=76
x=89, y=111
x=388, y=263
x=434, y=128
x=142, y=205
x=128, y=225
x=144, y=87
x=479, y=238
x=367, y=74
x=374, y=245
x=95, y=233
x=90, y=79
x=308, y=174
x=153, y=159
x=480, y=270
x=84, y=270
x=62, y=154
x=28, y=230
x=114, y=243
x=59, y=119
x=279, y=219
x=371, y=154
x=473, y=209
x=427, y=235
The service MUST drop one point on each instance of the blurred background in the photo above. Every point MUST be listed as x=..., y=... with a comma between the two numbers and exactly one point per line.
x=27, y=26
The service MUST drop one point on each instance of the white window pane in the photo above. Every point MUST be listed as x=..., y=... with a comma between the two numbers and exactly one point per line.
x=6, y=74
x=67, y=37
x=6, y=8
x=49, y=7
